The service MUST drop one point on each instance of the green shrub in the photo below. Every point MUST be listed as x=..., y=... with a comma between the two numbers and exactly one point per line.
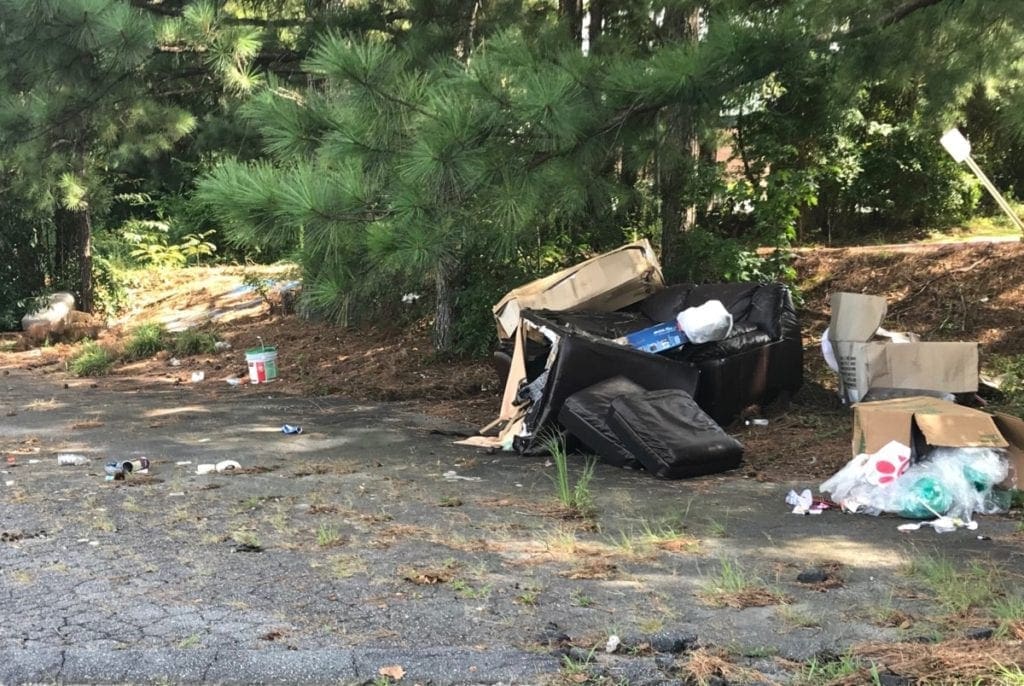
x=146, y=341
x=194, y=342
x=92, y=360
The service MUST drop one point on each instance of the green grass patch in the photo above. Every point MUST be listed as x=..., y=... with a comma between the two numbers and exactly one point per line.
x=194, y=342
x=145, y=341
x=92, y=360
x=976, y=587
x=734, y=586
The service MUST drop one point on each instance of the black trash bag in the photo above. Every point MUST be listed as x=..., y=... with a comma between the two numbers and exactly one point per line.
x=585, y=413
x=671, y=436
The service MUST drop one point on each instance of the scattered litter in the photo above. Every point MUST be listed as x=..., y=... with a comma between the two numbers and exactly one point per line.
x=410, y=298
x=227, y=465
x=613, y=644
x=206, y=468
x=452, y=475
x=72, y=459
x=11, y=459
x=94, y=543
x=221, y=346
x=982, y=537
x=82, y=540
x=198, y=376
x=804, y=503
x=942, y=525
x=183, y=463
x=33, y=461
x=756, y=422
x=174, y=362
x=177, y=494
x=233, y=381
x=291, y=429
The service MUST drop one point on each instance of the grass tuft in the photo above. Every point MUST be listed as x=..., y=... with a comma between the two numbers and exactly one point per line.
x=575, y=498
x=92, y=360
x=145, y=341
x=194, y=342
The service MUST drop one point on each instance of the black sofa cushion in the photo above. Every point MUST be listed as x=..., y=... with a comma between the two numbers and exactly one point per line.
x=585, y=414
x=671, y=436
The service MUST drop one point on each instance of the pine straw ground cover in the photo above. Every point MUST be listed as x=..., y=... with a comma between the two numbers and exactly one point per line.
x=962, y=661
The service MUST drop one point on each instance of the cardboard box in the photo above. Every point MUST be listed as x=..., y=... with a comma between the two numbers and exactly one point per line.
x=871, y=357
x=604, y=283
x=655, y=339
x=923, y=422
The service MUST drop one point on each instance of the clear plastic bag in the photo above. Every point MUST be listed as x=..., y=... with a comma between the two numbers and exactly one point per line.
x=950, y=481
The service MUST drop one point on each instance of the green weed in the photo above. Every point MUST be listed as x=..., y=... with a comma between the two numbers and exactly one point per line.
x=145, y=341
x=194, y=342
x=327, y=536
x=579, y=599
x=825, y=672
x=958, y=590
x=734, y=587
x=92, y=360
x=576, y=497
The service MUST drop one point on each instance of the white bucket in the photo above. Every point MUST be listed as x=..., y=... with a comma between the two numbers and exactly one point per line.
x=262, y=364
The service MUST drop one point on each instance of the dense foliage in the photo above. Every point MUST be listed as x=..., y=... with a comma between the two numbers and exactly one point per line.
x=455, y=148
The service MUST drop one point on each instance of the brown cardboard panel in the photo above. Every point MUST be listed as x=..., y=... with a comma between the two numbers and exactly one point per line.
x=855, y=316
x=943, y=424
x=1012, y=429
x=604, y=283
x=871, y=357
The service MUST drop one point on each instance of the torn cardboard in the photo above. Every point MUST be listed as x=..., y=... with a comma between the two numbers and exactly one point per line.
x=604, y=283
x=871, y=357
x=938, y=422
x=922, y=421
x=1012, y=429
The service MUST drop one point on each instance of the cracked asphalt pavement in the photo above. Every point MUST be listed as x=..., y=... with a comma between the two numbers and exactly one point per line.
x=344, y=550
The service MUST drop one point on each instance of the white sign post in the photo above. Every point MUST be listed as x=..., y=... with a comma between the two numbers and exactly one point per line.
x=959, y=149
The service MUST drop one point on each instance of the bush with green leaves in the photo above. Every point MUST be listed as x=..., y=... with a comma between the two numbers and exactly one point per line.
x=92, y=360
x=145, y=340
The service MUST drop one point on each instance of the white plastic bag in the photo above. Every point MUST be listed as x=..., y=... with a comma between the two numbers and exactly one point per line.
x=705, y=323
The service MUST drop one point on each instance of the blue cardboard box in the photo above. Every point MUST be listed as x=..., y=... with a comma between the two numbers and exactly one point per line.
x=657, y=338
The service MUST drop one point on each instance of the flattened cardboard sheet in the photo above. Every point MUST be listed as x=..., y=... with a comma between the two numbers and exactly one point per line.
x=604, y=283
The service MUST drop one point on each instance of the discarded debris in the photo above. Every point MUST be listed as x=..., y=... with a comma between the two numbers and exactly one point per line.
x=291, y=429
x=613, y=644
x=198, y=376
x=221, y=346
x=222, y=466
x=804, y=503
x=452, y=475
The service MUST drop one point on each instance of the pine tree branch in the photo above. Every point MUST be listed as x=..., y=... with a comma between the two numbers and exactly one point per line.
x=894, y=17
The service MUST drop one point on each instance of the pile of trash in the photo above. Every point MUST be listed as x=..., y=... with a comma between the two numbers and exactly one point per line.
x=925, y=458
x=641, y=373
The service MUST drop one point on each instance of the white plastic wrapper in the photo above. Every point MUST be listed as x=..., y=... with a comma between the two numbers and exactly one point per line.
x=705, y=323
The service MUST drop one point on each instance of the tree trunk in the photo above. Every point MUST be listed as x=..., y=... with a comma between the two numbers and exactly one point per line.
x=596, y=23
x=444, y=308
x=85, y=290
x=74, y=247
x=571, y=12
x=678, y=163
